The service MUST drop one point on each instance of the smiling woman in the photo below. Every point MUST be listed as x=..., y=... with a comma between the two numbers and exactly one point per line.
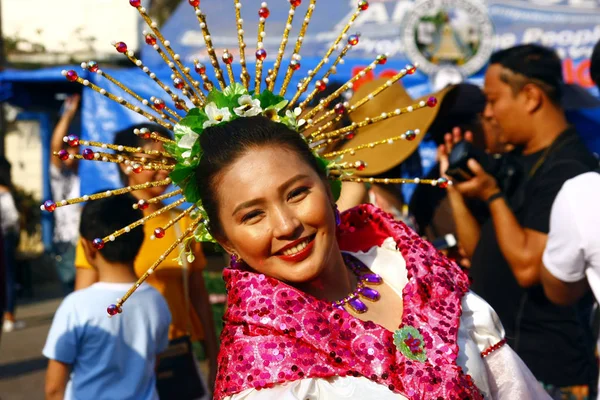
x=326, y=307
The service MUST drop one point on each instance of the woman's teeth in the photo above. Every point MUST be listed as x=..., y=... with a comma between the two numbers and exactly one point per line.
x=296, y=249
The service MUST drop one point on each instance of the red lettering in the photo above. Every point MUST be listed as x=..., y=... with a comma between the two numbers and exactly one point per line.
x=369, y=76
x=583, y=74
x=388, y=73
x=578, y=74
x=568, y=70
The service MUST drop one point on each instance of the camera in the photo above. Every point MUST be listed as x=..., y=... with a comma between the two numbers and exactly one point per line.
x=501, y=166
x=460, y=155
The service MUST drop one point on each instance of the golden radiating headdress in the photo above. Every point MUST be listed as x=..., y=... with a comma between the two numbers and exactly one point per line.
x=204, y=103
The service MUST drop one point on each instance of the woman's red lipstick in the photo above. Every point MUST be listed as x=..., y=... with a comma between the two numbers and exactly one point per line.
x=302, y=254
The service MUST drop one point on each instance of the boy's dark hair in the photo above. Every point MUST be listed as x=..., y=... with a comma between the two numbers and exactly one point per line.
x=595, y=65
x=531, y=63
x=101, y=218
x=126, y=137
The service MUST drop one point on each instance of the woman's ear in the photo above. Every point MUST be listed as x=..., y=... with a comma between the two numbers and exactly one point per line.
x=225, y=244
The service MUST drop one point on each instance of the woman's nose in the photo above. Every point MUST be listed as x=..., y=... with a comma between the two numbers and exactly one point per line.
x=285, y=224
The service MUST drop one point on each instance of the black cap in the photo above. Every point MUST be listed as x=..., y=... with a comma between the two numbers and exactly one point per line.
x=533, y=61
x=460, y=107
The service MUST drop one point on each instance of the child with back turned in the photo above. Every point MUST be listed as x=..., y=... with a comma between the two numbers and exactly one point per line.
x=95, y=357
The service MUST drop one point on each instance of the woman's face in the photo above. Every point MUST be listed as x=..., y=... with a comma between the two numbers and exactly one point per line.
x=148, y=175
x=277, y=215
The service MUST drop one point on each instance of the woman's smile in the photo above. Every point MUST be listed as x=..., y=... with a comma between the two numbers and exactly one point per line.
x=298, y=250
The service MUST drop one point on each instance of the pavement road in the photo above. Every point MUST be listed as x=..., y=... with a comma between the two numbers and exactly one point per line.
x=22, y=366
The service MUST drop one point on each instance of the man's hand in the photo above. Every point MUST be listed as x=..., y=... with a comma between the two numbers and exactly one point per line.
x=467, y=227
x=61, y=130
x=482, y=186
x=444, y=150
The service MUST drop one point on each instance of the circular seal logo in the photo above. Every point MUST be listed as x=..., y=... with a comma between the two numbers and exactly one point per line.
x=448, y=34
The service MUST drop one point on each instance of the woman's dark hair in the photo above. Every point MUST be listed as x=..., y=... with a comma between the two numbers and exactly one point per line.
x=222, y=145
x=5, y=177
x=126, y=137
x=462, y=107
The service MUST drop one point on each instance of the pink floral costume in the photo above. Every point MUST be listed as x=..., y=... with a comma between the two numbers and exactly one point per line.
x=275, y=334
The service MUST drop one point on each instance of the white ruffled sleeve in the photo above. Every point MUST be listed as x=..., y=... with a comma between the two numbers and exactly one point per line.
x=335, y=388
x=507, y=376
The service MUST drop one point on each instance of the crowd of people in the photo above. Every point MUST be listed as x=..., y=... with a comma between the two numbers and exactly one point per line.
x=500, y=211
x=505, y=312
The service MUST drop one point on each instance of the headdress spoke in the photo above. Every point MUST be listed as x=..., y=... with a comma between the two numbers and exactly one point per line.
x=294, y=64
x=272, y=78
x=311, y=74
x=188, y=232
x=209, y=47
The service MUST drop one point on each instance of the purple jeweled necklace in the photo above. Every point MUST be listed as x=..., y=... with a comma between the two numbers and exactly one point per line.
x=362, y=291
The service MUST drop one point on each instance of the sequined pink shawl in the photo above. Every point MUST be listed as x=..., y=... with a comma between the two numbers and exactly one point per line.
x=274, y=333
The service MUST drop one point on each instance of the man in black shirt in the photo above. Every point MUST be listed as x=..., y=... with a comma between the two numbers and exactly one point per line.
x=523, y=89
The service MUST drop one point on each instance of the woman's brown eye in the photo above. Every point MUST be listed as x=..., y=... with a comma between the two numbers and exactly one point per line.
x=297, y=192
x=250, y=215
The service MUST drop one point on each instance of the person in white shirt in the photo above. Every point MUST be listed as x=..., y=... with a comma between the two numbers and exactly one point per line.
x=572, y=255
x=64, y=184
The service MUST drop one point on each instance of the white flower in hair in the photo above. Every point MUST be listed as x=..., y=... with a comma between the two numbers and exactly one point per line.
x=215, y=115
x=188, y=139
x=248, y=107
